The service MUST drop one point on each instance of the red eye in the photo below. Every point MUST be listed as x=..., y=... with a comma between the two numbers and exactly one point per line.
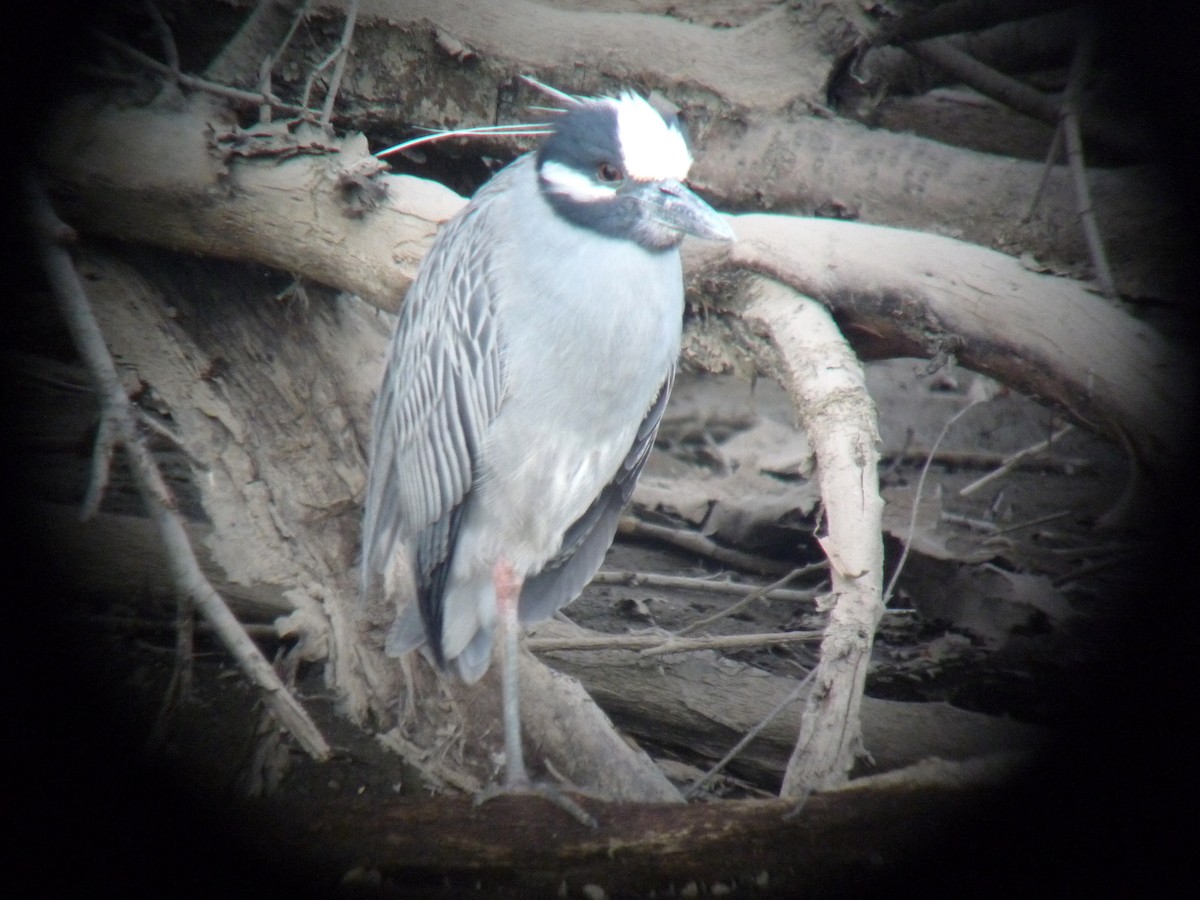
x=610, y=173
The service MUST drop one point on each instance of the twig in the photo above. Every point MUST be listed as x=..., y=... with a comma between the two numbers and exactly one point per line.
x=170, y=51
x=734, y=642
x=291, y=32
x=1014, y=460
x=260, y=631
x=657, y=644
x=1112, y=548
x=264, y=85
x=707, y=585
x=102, y=455
x=1014, y=94
x=697, y=543
x=984, y=459
x=436, y=773
x=343, y=53
x=195, y=83
x=179, y=687
x=160, y=430
x=1117, y=514
x=1051, y=157
x=916, y=503
x=267, y=66
x=750, y=598
x=964, y=15
x=1080, y=64
x=1092, y=568
x=970, y=522
x=50, y=232
x=237, y=62
x=1029, y=523
x=698, y=784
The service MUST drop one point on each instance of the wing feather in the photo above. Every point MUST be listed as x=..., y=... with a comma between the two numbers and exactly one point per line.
x=441, y=389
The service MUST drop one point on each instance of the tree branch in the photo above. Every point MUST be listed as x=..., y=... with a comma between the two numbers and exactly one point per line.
x=898, y=293
x=965, y=15
x=339, y=67
x=252, y=98
x=191, y=583
x=1070, y=126
x=1016, y=94
x=809, y=357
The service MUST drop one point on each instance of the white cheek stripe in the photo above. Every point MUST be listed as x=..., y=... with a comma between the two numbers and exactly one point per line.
x=564, y=180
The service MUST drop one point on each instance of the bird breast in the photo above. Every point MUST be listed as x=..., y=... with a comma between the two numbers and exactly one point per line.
x=589, y=329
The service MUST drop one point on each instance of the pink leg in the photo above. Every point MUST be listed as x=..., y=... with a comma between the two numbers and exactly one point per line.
x=508, y=595
x=516, y=778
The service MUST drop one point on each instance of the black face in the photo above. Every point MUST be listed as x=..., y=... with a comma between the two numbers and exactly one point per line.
x=585, y=138
x=585, y=141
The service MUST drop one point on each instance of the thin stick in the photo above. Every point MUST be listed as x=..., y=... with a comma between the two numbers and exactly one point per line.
x=1029, y=523
x=1083, y=195
x=50, y=232
x=267, y=67
x=102, y=455
x=343, y=53
x=916, y=504
x=197, y=84
x=694, y=542
x=1015, y=460
x=166, y=38
x=560, y=96
x=291, y=32
x=750, y=735
x=179, y=687
x=983, y=459
x=707, y=585
x=1012, y=93
x=436, y=773
x=1051, y=157
x=747, y=600
x=139, y=623
x=1117, y=559
x=657, y=644
x=971, y=522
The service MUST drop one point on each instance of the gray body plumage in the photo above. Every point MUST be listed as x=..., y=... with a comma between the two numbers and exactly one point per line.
x=527, y=378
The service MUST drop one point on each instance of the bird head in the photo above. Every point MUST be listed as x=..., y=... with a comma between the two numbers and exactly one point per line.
x=617, y=166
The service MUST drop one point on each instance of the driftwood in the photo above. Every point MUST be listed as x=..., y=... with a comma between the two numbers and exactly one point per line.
x=703, y=702
x=268, y=383
x=895, y=293
x=697, y=701
x=284, y=505
x=843, y=844
x=826, y=383
x=759, y=145
x=119, y=426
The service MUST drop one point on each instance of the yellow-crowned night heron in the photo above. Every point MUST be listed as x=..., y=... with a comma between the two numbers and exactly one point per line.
x=526, y=380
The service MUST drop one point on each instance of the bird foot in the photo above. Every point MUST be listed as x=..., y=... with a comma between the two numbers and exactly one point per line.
x=546, y=791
